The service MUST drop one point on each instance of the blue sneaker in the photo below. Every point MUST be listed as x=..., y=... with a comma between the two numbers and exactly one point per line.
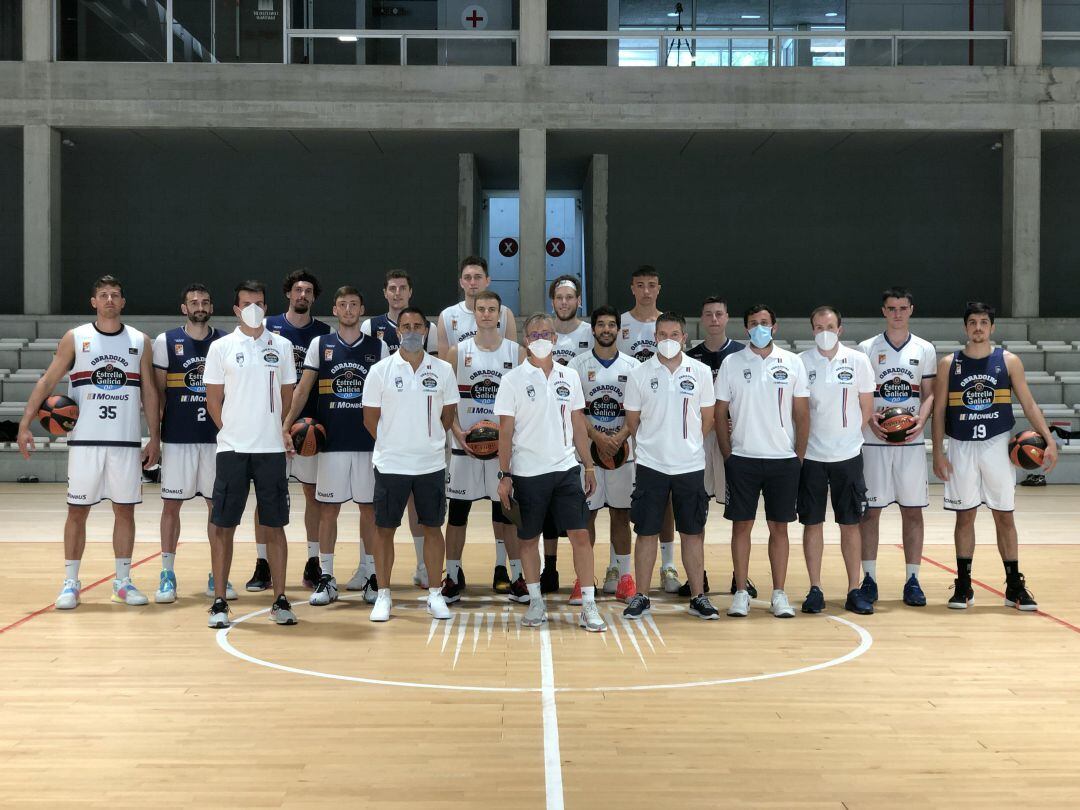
x=858, y=603
x=230, y=593
x=815, y=601
x=913, y=593
x=869, y=589
x=166, y=592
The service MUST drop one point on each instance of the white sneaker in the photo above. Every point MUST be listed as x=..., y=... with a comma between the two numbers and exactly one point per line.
x=325, y=592
x=740, y=604
x=781, y=608
x=219, y=615
x=383, y=603
x=230, y=592
x=669, y=579
x=436, y=606
x=359, y=578
x=611, y=579
x=371, y=589
x=590, y=618
x=125, y=593
x=69, y=595
x=536, y=614
x=420, y=577
x=166, y=592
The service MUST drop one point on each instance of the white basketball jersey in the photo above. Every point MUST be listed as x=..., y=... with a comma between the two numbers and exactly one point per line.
x=105, y=382
x=460, y=323
x=637, y=338
x=570, y=345
x=479, y=373
x=899, y=372
x=604, y=388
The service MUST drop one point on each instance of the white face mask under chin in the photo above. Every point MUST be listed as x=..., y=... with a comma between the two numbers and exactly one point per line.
x=541, y=348
x=668, y=348
x=826, y=341
x=252, y=316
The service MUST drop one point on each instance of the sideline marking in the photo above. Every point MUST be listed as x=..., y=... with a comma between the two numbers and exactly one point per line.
x=552, y=757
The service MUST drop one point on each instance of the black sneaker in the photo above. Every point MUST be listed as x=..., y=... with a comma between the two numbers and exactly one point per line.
x=451, y=591
x=869, y=589
x=815, y=601
x=857, y=603
x=1034, y=480
x=549, y=580
x=500, y=582
x=1018, y=596
x=371, y=590
x=684, y=589
x=260, y=580
x=638, y=605
x=312, y=573
x=963, y=595
x=519, y=591
x=701, y=607
x=750, y=589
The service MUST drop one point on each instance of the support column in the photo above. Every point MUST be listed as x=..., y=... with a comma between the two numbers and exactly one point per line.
x=532, y=188
x=1024, y=19
x=596, y=230
x=1022, y=171
x=41, y=220
x=37, y=31
x=468, y=220
x=532, y=36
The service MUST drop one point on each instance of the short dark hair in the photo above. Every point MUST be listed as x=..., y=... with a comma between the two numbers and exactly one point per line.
x=392, y=274
x=251, y=286
x=601, y=311
x=302, y=274
x=715, y=299
x=827, y=308
x=196, y=287
x=979, y=308
x=897, y=292
x=412, y=311
x=645, y=271
x=562, y=280
x=489, y=294
x=106, y=281
x=476, y=261
x=347, y=289
x=671, y=317
x=754, y=309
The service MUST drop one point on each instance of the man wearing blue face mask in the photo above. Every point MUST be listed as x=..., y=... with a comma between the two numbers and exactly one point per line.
x=764, y=390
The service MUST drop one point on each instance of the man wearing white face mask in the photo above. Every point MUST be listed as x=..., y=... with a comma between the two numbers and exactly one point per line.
x=841, y=383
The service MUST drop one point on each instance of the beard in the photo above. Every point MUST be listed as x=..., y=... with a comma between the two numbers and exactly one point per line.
x=199, y=317
x=605, y=340
x=569, y=317
x=301, y=308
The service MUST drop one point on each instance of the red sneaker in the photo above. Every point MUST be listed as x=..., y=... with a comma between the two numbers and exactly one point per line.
x=626, y=588
x=575, y=595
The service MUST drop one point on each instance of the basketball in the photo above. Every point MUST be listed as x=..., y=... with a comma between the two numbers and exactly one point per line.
x=1026, y=450
x=483, y=439
x=308, y=436
x=612, y=463
x=58, y=414
x=895, y=423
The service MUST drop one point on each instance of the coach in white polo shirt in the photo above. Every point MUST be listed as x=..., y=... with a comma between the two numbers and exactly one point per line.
x=841, y=383
x=541, y=411
x=763, y=390
x=669, y=411
x=409, y=403
x=249, y=378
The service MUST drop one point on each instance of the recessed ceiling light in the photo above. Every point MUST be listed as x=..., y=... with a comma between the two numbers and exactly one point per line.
x=831, y=14
x=673, y=14
x=751, y=16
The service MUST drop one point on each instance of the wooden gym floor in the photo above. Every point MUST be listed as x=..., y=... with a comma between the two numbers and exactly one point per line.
x=110, y=706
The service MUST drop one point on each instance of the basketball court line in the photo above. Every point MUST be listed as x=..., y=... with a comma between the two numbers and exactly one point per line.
x=553, y=786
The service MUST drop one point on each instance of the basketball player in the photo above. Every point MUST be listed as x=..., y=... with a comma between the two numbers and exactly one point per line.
x=249, y=378
x=409, y=402
x=541, y=422
x=604, y=373
x=339, y=363
x=398, y=290
x=841, y=384
x=296, y=325
x=973, y=405
x=763, y=390
x=637, y=337
x=479, y=362
x=188, y=435
x=904, y=367
x=712, y=351
x=111, y=379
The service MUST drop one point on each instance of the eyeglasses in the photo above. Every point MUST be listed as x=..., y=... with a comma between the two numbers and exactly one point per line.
x=540, y=335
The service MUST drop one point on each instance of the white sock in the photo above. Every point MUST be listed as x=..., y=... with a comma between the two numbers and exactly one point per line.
x=326, y=563
x=870, y=568
x=260, y=550
x=418, y=544
x=71, y=569
x=369, y=561
x=433, y=591
x=515, y=570
x=123, y=567
x=623, y=561
x=313, y=548
x=500, y=552
x=168, y=560
x=667, y=554
x=534, y=591
x=588, y=594
x=911, y=570
x=452, y=568
x=613, y=558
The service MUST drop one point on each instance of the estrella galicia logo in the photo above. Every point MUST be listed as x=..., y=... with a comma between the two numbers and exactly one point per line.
x=429, y=381
x=531, y=392
x=605, y=408
x=270, y=357
x=978, y=397
x=779, y=375
x=746, y=374
x=348, y=385
x=687, y=385
x=109, y=377
x=562, y=390
x=896, y=390
x=484, y=390
x=193, y=379
x=844, y=376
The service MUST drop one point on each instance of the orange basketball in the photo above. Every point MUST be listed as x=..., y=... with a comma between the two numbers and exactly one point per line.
x=58, y=414
x=1026, y=450
x=895, y=423
x=612, y=463
x=308, y=436
x=483, y=439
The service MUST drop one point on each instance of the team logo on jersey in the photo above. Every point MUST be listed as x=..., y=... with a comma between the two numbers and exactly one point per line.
x=592, y=376
x=86, y=345
x=979, y=396
x=453, y=324
x=605, y=409
x=622, y=378
x=240, y=359
x=687, y=385
x=562, y=390
x=913, y=362
x=132, y=350
x=178, y=349
x=270, y=357
x=193, y=379
x=584, y=344
x=625, y=334
x=370, y=358
x=746, y=374
x=468, y=360
x=844, y=376
x=429, y=381
x=507, y=364
x=484, y=390
x=881, y=358
x=654, y=383
x=779, y=375
x=811, y=375
x=328, y=355
x=108, y=377
x=379, y=333
x=896, y=390
x=531, y=392
x=398, y=384
x=348, y=385
x=956, y=370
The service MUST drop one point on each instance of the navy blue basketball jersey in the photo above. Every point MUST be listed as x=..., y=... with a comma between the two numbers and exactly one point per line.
x=342, y=370
x=300, y=338
x=980, y=397
x=182, y=358
x=712, y=359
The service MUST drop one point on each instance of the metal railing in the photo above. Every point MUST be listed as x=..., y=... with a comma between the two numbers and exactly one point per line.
x=402, y=37
x=775, y=39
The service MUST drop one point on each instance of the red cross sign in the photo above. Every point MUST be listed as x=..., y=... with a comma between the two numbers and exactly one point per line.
x=474, y=17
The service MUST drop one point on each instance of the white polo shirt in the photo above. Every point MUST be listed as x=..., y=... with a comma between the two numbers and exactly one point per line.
x=252, y=371
x=543, y=440
x=411, y=439
x=669, y=438
x=760, y=391
x=835, y=412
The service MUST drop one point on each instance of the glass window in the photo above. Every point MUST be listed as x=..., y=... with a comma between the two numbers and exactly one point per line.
x=10, y=30
x=112, y=30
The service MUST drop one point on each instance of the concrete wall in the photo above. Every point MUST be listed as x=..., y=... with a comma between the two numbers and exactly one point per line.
x=11, y=220
x=1060, y=287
